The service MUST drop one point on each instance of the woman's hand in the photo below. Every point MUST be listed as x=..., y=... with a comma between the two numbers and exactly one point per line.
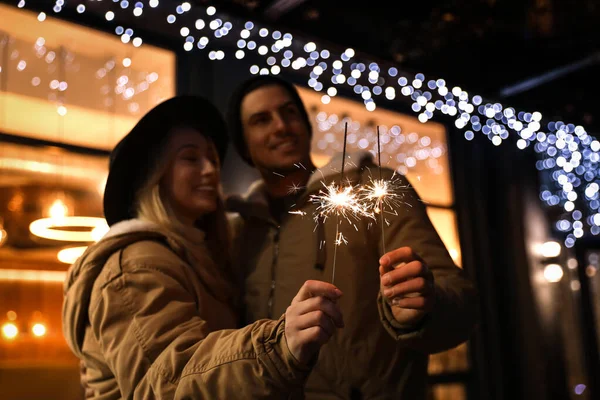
x=312, y=318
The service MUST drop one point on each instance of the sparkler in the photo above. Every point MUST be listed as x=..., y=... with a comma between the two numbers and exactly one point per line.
x=337, y=215
x=382, y=191
x=337, y=201
x=348, y=202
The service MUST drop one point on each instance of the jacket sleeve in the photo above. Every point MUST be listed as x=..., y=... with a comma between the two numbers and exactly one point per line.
x=157, y=346
x=454, y=314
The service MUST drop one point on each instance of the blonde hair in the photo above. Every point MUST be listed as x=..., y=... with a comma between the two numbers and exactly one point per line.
x=151, y=205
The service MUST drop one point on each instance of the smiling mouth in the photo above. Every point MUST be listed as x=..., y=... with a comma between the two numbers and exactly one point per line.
x=286, y=144
x=207, y=189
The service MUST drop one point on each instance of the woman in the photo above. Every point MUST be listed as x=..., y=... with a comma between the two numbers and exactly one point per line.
x=149, y=308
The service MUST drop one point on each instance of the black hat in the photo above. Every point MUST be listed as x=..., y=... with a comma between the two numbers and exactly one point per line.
x=134, y=156
x=234, y=117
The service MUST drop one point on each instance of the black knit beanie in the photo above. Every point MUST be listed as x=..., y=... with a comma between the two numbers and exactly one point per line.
x=234, y=115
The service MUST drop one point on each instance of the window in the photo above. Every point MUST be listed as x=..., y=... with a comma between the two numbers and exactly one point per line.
x=67, y=95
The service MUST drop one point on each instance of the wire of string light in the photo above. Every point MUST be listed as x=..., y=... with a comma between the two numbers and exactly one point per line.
x=568, y=153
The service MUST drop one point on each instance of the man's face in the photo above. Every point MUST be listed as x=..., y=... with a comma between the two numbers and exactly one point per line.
x=276, y=134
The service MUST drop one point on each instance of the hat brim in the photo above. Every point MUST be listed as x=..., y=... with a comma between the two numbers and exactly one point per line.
x=135, y=155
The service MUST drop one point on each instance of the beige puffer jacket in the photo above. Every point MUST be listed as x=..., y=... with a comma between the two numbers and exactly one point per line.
x=141, y=315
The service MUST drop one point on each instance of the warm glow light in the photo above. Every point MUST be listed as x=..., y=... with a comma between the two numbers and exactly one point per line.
x=45, y=228
x=71, y=254
x=32, y=275
x=454, y=254
x=99, y=232
x=38, y=330
x=3, y=235
x=553, y=273
x=10, y=330
x=58, y=209
x=550, y=249
x=48, y=168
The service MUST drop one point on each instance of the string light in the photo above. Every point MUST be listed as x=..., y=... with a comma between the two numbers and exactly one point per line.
x=407, y=151
x=553, y=273
x=568, y=153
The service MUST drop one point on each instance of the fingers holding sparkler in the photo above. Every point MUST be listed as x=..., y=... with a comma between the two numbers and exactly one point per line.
x=312, y=319
x=407, y=285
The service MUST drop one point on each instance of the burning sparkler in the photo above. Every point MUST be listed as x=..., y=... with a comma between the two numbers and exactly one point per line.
x=337, y=201
x=383, y=195
x=344, y=200
x=337, y=215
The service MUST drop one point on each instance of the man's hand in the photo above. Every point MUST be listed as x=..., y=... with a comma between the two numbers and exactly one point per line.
x=407, y=285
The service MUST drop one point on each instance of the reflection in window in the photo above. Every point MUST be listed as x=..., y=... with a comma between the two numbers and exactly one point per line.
x=413, y=149
x=66, y=83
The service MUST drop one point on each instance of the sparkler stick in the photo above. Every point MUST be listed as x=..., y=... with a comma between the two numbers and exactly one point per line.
x=337, y=216
x=380, y=180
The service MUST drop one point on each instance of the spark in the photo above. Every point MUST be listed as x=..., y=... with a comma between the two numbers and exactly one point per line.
x=343, y=202
x=283, y=176
x=382, y=195
x=295, y=189
x=341, y=239
x=298, y=212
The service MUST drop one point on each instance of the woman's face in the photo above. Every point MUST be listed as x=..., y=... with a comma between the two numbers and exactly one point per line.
x=191, y=180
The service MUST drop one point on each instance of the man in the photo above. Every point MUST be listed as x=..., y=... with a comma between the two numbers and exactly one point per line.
x=419, y=302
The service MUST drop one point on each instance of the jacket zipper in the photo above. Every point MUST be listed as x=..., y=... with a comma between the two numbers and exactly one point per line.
x=273, y=265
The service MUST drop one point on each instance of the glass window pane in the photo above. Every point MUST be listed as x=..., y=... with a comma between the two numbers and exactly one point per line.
x=414, y=149
x=453, y=391
x=453, y=360
x=84, y=87
x=32, y=179
x=444, y=221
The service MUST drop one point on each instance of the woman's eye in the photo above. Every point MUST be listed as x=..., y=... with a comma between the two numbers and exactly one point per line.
x=260, y=120
x=191, y=158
